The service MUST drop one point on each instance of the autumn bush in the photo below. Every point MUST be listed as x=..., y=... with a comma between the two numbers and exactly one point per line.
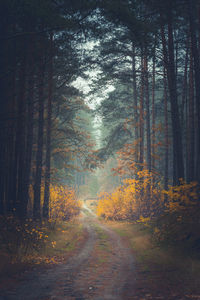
x=180, y=219
x=140, y=197
x=63, y=203
x=18, y=238
x=173, y=215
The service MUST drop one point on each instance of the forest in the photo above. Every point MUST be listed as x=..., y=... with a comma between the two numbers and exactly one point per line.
x=100, y=99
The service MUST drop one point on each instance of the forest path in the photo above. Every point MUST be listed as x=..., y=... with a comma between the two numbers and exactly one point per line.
x=103, y=269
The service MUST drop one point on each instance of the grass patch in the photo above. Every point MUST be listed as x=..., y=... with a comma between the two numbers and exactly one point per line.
x=64, y=238
x=167, y=263
x=103, y=239
x=103, y=246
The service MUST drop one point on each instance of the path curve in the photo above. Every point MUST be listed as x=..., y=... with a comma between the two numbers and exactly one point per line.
x=80, y=278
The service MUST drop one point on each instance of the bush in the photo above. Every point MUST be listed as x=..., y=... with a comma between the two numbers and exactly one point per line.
x=63, y=203
x=136, y=198
x=180, y=219
x=18, y=237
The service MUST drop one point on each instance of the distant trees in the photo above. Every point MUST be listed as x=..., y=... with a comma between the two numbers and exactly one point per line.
x=151, y=57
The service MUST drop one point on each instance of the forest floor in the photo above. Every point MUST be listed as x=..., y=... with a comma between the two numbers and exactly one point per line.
x=111, y=261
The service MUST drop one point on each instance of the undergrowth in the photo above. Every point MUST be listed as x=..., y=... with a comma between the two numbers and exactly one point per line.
x=30, y=243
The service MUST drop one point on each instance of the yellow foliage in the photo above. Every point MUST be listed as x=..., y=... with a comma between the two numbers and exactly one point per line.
x=136, y=198
x=168, y=212
x=182, y=197
x=144, y=220
x=176, y=223
x=63, y=203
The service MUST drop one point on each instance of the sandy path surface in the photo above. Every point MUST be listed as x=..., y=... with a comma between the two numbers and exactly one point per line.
x=101, y=270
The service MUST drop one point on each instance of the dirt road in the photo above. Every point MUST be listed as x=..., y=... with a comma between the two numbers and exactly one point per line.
x=103, y=269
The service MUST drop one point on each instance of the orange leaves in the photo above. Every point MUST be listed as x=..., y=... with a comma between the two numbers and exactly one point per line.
x=182, y=197
x=63, y=203
x=136, y=198
x=20, y=238
x=53, y=243
x=180, y=218
x=172, y=218
x=63, y=150
x=127, y=159
x=117, y=206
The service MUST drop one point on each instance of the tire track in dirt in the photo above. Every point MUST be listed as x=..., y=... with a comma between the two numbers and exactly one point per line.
x=78, y=279
x=110, y=281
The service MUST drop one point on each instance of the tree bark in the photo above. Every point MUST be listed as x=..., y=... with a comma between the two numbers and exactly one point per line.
x=29, y=125
x=141, y=117
x=178, y=165
x=135, y=99
x=166, y=175
x=12, y=130
x=191, y=126
x=196, y=59
x=148, y=131
x=48, y=140
x=153, y=108
x=39, y=154
x=20, y=134
x=3, y=104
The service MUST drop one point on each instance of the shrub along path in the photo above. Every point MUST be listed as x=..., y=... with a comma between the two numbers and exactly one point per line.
x=103, y=268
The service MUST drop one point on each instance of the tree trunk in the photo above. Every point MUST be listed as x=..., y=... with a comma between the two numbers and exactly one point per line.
x=20, y=133
x=39, y=154
x=29, y=125
x=166, y=175
x=153, y=109
x=48, y=140
x=148, y=132
x=191, y=127
x=12, y=131
x=195, y=54
x=141, y=118
x=178, y=166
x=184, y=91
x=135, y=99
x=3, y=104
